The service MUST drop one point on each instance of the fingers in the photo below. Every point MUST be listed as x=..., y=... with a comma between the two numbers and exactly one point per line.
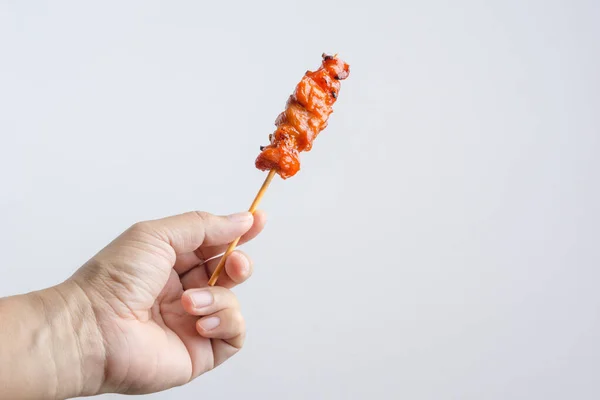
x=187, y=232
x=238, y=268
x=220, y=314
x=227, y=324
x=208, y=300
x=187, y=261
x=260, y=220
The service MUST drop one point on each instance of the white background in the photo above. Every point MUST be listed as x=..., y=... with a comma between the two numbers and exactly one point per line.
x=442, y=238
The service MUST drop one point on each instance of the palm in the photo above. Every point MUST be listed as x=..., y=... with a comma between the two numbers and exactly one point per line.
x=164, y=350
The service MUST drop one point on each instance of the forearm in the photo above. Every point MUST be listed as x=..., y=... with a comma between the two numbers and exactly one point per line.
x=49, y=345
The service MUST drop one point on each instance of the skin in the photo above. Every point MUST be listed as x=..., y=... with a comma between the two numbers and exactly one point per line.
x=137, y=318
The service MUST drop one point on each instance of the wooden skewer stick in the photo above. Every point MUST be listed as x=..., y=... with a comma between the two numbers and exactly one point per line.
x=257, y=199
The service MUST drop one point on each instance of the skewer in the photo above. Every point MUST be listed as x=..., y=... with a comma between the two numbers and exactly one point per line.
x=306, y=114
x=231, y=247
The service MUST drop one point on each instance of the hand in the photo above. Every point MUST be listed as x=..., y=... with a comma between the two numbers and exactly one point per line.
x=157, y=323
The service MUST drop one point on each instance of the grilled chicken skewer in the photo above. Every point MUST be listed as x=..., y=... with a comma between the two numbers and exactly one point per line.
x=306, y=113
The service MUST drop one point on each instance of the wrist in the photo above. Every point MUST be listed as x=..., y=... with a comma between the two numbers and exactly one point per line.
x=74, y=339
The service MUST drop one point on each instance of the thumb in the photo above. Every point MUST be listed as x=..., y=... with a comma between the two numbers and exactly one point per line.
x=186, y=232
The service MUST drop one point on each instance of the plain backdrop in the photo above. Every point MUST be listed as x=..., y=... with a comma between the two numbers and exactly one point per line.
x=442, y=238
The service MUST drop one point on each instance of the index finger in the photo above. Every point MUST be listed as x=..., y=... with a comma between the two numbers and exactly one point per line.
x=186, y=232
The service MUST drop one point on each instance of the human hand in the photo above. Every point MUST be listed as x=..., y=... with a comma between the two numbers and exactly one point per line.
x=153, y=322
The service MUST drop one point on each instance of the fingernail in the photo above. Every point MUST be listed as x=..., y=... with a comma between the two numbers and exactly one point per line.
x=241, y=217
x=201, y=298
x=245, y=264
x=210, y=323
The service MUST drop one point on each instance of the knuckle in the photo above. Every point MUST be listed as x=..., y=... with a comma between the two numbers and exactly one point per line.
x=141, y=227
x=242, y=339
x=234, y=301
x=203, y=215
x=227, y=297
x=239, y=321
